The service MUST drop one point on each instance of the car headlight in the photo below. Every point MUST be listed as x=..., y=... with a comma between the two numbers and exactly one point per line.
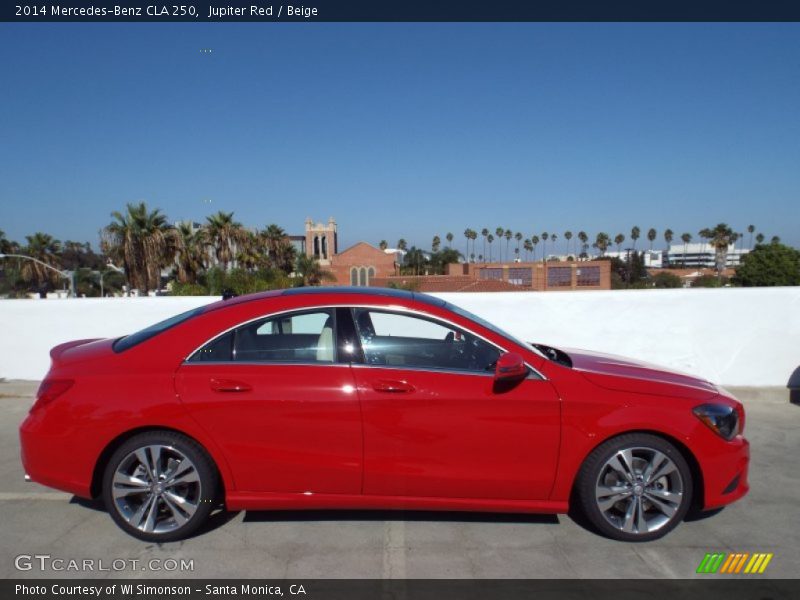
x=721, y=418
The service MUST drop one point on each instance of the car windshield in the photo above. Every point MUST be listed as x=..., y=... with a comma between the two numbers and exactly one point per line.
x=484, y=323
x=131, y=340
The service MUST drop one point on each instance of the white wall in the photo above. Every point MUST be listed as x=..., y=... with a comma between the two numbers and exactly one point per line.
x=734, y=336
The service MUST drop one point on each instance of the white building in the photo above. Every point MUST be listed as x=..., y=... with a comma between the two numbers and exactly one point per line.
x=702, y=255
x=653, y=259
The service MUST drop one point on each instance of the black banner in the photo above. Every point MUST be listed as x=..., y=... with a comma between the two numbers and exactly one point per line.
x=403, y=10
x=739, y=588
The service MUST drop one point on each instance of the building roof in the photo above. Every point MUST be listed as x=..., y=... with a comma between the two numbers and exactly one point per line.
x=452, y=283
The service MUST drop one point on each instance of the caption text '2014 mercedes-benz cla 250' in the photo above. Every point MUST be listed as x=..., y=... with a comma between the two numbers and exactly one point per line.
x=357, y=398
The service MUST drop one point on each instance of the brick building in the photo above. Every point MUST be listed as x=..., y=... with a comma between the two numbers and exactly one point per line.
x=512, y=277
x=365, y=265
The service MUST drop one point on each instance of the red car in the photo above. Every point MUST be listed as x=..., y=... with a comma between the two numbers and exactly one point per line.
x=368, y=398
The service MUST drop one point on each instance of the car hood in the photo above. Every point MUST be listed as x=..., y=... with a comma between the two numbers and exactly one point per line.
x=628, y=375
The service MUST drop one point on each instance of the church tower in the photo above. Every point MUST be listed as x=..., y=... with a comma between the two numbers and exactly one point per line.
x=321, y=240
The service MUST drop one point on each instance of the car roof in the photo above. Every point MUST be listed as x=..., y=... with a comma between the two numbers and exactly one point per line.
x=316, y=291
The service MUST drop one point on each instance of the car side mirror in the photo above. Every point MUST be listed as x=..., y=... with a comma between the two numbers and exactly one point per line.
x=510, y=367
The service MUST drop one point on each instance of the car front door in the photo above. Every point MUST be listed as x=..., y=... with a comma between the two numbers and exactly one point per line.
x=274, y=396
x=435, y=423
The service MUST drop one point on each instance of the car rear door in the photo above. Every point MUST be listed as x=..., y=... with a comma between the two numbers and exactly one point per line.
x=275, y=397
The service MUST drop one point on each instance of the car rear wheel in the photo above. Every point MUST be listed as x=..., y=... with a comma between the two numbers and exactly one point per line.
x=160, y=486
x=636, y=487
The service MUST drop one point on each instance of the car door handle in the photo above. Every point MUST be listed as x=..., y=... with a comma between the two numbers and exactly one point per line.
x=229, y=385
x=392, y=386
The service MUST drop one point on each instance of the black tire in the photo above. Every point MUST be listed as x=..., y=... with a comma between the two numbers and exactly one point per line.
x=165, y=519
x=662, y=503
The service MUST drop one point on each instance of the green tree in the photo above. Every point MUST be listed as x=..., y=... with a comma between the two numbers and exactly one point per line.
x=190, y=246
x=666, y=280
x=226, y=236
x=651, y=236
x=721, y=237
x=635, y=232
x=311, y=272
x=685, y=238
x=619, y=239
x=143, y=242
x=602, y=242
x=44, y=248
x=769, y=265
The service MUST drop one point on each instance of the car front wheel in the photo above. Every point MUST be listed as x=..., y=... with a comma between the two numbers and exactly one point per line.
x=636, y=487
x=160, y=486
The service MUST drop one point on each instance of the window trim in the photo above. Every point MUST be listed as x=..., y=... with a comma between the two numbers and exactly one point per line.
x=391, y=308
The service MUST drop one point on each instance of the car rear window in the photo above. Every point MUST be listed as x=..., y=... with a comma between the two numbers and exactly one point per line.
x=129, y=341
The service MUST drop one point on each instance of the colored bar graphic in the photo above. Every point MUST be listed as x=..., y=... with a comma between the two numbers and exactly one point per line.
x=734, y=563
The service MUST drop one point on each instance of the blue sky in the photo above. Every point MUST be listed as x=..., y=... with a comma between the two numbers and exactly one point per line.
x=403, y=130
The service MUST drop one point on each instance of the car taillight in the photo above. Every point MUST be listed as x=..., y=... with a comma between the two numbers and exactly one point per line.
x=49, y=390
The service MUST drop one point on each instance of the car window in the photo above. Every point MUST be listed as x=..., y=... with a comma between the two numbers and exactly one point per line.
x=306, y=337
x=129, y=341
x=401, y=340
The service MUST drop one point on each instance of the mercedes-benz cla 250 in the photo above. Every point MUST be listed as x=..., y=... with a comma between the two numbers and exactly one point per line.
x=357, y=398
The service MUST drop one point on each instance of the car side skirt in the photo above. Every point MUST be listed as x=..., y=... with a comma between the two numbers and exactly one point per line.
x=311, y=501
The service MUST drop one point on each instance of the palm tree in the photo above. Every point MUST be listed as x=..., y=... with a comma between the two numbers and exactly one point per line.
x=490, y=239
x=468, y=235
x=500, y=232
x=759, y=238
x=601, y=242
x=668, y=234
x=775, y=239
x=554, y=238
x=485, y=234
x=508, y=235
x=721, y=238
x=635, y=231
x=584, y=239
x=518, y=237
x=473, y=235
x=449, y=238
x=534, y=243
x=143, y=242
x=528, y=246
x=311, y=272
x=281, y=254
x=618, y=240
x=6, y=245
x=750, y=230
x=402, y=244
x=383, y=244
x=651, y=236
x=190, y=245
x=437, y=241
x=545, y=236
x=225, y=235
x=705, y=235
x=44, y=248
x=568, y=237
x=686, y=238
x=249, y=250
